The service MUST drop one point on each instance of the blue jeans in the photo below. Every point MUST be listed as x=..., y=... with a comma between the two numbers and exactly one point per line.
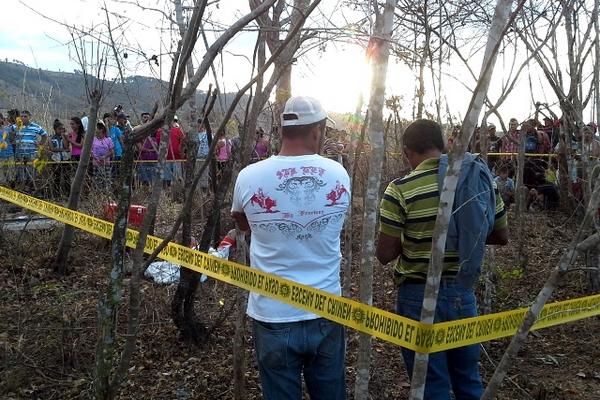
x=455, y=370
x=313, y=348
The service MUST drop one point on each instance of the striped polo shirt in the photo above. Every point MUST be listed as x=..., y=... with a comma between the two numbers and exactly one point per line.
x=26, y=140
x=409, y=210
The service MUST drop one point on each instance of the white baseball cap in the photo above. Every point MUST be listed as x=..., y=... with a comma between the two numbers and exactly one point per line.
x=302, y=110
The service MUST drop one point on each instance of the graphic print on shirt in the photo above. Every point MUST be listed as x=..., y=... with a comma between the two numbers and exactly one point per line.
x=263, y=201
x=301, y=190
x=295, y=230
x=336, y=194
x=300, y=215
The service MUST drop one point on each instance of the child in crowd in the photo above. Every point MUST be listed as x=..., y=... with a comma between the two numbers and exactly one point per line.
x=103, y=151
x=59, y=148
x=506, y=186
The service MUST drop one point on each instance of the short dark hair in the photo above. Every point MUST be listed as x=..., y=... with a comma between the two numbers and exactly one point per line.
x=106, y=115
x=13, y=114
x=26, y=113
x=57, y=124
x=296, y=131
x=423, y=135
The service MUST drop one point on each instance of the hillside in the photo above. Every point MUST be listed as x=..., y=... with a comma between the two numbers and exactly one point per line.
x=51, y=94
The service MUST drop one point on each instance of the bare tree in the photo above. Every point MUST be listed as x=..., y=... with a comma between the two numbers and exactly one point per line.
x=571, y=94
x=105, y=386
x=92, y=56
x=182, y=307
x=380, y=49
x=353, y=158
x=283, y=17
x=497, y=30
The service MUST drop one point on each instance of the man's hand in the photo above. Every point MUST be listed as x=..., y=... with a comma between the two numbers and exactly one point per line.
x=241, y=220
x=388, y=248
x=498, y=237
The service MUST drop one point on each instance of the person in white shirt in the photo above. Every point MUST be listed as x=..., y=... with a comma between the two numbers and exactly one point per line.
x=295, y=204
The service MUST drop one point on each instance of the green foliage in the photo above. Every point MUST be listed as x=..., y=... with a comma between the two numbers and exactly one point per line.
x=508, y=274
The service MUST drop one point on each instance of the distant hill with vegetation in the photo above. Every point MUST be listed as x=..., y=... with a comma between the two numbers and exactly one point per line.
x=50, y=94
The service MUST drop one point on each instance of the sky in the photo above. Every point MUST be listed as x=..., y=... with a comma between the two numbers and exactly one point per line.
x=336, y=75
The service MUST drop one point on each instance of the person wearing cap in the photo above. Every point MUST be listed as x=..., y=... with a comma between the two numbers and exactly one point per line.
x=294, y=204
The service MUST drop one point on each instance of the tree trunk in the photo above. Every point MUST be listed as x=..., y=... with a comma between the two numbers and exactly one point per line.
x=497, y=31
x=348, y=226
x=61, y=260
x=239, y=339
x=381, y=35
x=182, y=305
x=488, y=268
x=192, y=137
x=596, y=17
x=136, y=273
x=521, y=193
x=564, y=182
x=423, y=62
x=108, y=306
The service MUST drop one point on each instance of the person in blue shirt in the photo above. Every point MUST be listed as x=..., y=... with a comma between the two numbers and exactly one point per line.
x=28, y=138
x=6, y=151
x=116, y=133
x=202, y=154
x=506, y=186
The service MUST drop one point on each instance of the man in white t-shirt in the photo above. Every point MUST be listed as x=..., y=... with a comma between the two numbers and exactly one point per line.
x=295, y=204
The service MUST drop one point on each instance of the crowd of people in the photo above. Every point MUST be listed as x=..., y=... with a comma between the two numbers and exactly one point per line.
x=26, y=148
x=294, y=204
x=541, y=144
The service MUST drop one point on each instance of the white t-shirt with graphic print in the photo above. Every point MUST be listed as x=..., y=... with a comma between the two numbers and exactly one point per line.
x=296, y=208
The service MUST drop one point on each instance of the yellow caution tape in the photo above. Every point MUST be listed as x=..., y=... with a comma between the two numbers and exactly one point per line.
x=382, y=324
x=48, y=162
x=502, y=154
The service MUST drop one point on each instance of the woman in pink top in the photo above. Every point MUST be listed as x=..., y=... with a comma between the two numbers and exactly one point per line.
x=223, y=150
x=103, y=150
x=261, y=146
x=75, y=137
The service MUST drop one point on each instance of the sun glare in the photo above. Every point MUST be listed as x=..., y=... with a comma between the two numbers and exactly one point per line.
x=338, y=80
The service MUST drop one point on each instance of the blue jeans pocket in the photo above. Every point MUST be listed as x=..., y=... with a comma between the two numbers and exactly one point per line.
x=463, y=304
x=409, y=302
x=332, y=337
x=271, y=344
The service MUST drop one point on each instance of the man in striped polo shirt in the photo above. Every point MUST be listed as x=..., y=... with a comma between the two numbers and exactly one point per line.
x=407, y=218
x=27, y=138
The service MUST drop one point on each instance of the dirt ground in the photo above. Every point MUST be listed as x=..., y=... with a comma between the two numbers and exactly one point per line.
x=48, y=328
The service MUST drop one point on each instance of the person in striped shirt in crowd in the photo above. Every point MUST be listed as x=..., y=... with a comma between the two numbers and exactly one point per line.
x=28, y=138
x=407, y=218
